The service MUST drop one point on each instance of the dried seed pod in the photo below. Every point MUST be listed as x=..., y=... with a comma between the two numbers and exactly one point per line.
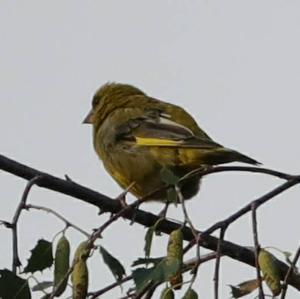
x=175, y=252
x=61, y=265
x=190, y=294
x=270, y=270
x=167, y=293
x=80, y=274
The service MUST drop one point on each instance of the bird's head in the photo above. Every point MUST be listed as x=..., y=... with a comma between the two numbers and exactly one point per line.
x=110, y=94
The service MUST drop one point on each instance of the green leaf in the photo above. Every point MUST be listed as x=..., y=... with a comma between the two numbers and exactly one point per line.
x=244, y=288
x=168, y=177
x=41, y=257
x=190, y=294
x=12, y=286
x=61, y=265
x=149, y=237
x=148, y=240
x=143, y=261
x=159, y=273
x=113, y=264
x=167, y=293
x=141, y=277
x=42, y=286
x=172, y=196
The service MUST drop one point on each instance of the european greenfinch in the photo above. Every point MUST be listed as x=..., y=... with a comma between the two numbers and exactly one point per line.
x=137, y=136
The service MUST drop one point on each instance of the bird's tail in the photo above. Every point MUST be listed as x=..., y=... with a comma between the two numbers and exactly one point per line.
x=226, y=155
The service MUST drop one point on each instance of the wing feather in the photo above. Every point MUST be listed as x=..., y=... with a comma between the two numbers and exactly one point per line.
x=159, y=130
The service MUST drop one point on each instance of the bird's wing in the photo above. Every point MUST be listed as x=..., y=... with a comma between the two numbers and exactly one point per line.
x=156, y=128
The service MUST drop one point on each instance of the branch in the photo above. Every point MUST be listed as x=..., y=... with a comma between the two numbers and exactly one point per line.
x=218, y=262
x=291, y=270
x=147, y=219
x=14, y=225
x=253, y=169
x=261, y=294
x=50, y=211
x=258, y=202
x=218, y=169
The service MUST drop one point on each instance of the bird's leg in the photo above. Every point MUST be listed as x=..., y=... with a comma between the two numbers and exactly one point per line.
x=122, y=197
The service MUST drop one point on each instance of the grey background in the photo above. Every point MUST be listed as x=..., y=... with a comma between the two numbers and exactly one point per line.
x=233, y=64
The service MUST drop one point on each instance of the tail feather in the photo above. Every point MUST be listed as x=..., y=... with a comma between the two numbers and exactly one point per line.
x=243, y=158
x=226, y=155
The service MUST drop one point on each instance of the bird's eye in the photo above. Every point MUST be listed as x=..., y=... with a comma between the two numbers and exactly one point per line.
x=95, y=101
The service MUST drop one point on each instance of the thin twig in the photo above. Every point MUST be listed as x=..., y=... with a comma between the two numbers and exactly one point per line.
x=258, y=202
x=200, y=172
x=5, y=223
x=67, y=222
x=98, y=233
x=253, y=169
x=185, y=213
x=14, y=225
x=289, y=272
x=194, y=231
x=261, y=293
x=96, y=294
x=218, y=262
x=187, y=266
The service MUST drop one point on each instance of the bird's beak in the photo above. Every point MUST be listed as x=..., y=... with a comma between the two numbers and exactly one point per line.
x=89, y=118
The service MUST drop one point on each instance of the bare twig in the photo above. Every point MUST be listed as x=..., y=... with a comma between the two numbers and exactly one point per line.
x=289, y=272
x=96, y=294
x=253, y=169
x=200, y=172
x=261, y=293
x=14, y=225
x=218, y=262
x=5, y=223
x=258, y=202
x=194, y=231
x=247, y=208
x=185, y=213
x=67, y=222
x=98, y=233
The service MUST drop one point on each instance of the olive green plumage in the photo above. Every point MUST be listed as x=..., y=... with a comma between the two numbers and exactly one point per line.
x=136, y=136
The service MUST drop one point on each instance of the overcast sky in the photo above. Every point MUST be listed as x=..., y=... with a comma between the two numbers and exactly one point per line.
x=233, y=64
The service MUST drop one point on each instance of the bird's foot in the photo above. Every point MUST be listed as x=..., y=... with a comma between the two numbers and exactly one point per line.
x=122, y=197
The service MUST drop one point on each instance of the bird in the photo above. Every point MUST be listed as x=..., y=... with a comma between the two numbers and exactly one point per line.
x=138, y=137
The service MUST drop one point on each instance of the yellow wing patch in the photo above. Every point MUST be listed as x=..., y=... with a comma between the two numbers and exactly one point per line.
x=156, y=142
